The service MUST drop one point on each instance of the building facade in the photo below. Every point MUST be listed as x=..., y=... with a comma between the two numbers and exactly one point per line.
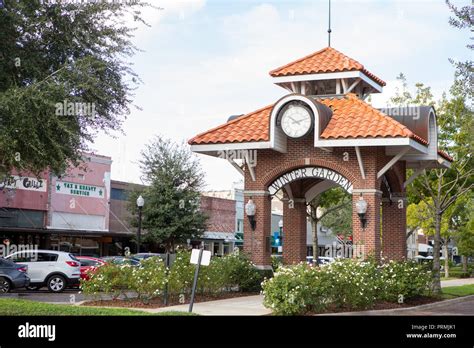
x=67, y=213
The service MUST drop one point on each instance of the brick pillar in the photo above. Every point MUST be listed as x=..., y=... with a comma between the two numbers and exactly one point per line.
x=366, y=241
x=257, y=247
x=394, y=225
x=294, y=231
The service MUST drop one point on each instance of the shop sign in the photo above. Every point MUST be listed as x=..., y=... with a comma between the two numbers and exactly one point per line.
x=23, y=183
x=82, y=190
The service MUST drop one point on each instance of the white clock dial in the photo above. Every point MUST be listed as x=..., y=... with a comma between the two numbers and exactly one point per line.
x=296, y=121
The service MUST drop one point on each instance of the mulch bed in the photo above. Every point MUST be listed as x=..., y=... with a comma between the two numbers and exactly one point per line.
x=412, y=302
x=172, y=301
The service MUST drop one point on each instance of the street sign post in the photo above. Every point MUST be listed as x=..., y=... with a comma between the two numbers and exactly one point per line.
x=198, y=257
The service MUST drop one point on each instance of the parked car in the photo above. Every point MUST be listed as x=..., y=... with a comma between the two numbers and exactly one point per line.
x=12, y=276
x=144, y=256
x=121, y=260
x=322, y=260
x=56, y=270
x=89, y=265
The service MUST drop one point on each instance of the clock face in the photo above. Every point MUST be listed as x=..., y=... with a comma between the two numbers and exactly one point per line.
x=296, y=121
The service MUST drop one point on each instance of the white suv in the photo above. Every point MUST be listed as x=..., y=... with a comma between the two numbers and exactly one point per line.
x=54, y=269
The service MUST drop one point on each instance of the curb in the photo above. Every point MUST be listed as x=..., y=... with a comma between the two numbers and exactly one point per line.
x=405, y=309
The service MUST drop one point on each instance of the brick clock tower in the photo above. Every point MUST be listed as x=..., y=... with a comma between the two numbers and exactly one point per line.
x=320, y=135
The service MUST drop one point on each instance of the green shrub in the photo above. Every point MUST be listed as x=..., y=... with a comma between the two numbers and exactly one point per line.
x=144, y=282
x=402, y=280
x=181, y=274
x=345, y=283
x=111, y=279
x=239, y=272
x=351, y=283
x=277, y=261
x=148, y=280
x=295, y=290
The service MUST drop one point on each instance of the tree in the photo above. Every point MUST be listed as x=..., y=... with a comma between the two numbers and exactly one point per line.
x=64, y=76
x=324, y=205
x=171, y=212
x=462, y=224
x=421, y=216
x=441, y=188
x=463, y=19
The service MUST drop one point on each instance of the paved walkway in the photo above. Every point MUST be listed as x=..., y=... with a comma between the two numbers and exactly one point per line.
x=457, y=306
x=245, y=305
x=457, y=282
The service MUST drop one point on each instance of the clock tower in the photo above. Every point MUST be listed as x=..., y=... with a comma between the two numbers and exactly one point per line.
x=322, y=134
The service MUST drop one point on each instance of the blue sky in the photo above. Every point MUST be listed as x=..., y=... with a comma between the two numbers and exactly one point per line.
x=203, y=61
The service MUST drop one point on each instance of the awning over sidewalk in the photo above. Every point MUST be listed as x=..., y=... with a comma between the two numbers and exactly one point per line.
x=226, y=236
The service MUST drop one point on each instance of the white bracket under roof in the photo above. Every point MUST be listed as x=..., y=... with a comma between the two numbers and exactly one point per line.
x=361, y=164
x=416, y=173
x=250, y=167
x=391, y=163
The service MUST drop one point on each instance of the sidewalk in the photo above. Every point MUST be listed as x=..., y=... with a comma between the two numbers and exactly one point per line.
x=457, y=282
x=245, y=305
x=253, y=305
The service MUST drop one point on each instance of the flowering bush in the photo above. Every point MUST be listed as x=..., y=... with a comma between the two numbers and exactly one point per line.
x=111, y=279
x=180, y=278
x=231, y=272
x=239, y=272
x=148, y=280
x=345, y=283
x=351, y=283
x=295, y=290
x=403, y=280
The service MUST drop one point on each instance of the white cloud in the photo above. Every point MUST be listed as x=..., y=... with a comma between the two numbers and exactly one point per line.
x=190, y=93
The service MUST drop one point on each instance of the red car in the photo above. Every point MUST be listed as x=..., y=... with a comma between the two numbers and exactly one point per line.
x=89, y=265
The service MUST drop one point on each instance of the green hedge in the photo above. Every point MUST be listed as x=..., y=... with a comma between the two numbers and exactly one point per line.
x=233, y=272
x=346, y=283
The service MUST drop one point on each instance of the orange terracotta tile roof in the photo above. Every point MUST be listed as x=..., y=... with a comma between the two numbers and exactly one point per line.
x=352, y=119
x=445, y=155
x=247, y=128
x=326, y=60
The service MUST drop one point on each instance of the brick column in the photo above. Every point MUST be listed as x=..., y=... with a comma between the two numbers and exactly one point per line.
x=294, y=231
x=366, y=241
x=394, y=225
x=257, y=247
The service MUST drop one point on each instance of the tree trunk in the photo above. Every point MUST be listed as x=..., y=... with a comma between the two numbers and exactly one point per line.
x=446, y=261
x=436, y=249
x=314, y=230
x=464, y=264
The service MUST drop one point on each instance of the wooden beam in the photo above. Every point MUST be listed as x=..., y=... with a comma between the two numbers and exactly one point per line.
x=251, y=171
x=344, y=86
x=354, y=84
x=392, y=162
x=338, y=86
x=361, y=164
x=294, y=87
x=236, y=166
x=303, y=87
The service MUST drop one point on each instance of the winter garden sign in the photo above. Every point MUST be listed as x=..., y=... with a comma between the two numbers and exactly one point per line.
x=310, y=172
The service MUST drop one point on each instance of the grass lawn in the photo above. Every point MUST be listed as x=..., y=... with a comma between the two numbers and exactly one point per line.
x=457, y=291
x=10, y=306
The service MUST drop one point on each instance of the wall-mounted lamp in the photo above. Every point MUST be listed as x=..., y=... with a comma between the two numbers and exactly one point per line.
x=361, y=207
x=250, y=211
